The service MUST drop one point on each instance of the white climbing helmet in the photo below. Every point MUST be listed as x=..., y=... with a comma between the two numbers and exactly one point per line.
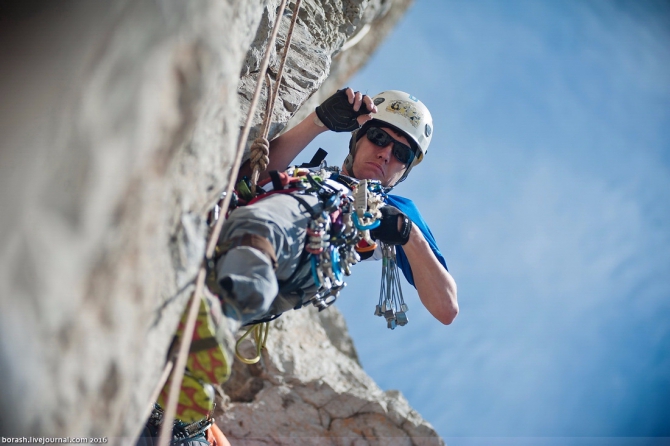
x=404, y=113
x=407, y=114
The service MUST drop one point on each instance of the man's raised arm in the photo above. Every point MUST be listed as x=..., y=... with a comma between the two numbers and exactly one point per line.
x=284, y=148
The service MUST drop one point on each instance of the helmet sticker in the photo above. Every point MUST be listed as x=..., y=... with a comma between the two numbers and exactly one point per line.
x=405, y=109
x=413, y=98
x=428, y=130
x=379, y=100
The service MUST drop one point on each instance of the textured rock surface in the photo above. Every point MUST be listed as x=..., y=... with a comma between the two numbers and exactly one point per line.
x=357, y=50
x=307, y=390
x=317, y=65
x=117, y=127
x=115, y=119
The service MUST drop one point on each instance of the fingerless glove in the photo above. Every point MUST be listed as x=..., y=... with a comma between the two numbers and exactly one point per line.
x=338, y=114
x=387, y=231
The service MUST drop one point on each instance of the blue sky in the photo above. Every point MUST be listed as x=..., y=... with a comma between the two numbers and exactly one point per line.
x=547, y=186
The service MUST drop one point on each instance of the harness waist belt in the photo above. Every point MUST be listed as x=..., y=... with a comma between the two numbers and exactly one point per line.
x=254, y=241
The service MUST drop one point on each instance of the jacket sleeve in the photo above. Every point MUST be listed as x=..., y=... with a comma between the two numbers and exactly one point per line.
x=409, y=208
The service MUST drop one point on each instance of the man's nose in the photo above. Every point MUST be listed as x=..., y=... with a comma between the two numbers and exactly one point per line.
x=385, y=152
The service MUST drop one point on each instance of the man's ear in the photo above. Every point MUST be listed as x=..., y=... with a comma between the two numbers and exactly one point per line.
x=348, y=164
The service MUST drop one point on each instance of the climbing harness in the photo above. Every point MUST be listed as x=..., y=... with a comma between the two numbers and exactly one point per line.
x=347, y=217
x=336, y=235
x=337, y=230
x=391, y=306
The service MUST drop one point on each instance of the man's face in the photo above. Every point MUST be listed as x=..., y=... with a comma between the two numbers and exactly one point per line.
x=372, y=162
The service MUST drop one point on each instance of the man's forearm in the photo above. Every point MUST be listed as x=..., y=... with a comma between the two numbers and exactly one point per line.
x=286, y=147
x=436, y=287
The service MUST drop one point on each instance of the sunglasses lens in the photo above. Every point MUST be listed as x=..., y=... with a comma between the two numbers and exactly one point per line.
x=379, y=137
x=402, y=153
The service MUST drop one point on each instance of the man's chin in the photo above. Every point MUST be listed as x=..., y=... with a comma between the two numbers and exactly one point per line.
x=370, y=173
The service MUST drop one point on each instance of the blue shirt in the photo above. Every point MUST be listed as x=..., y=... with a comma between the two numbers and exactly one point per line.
x=408, y=207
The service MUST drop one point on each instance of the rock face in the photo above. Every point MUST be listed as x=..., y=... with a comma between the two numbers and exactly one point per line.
x=118, y=120
x=310, y=389
x=117, y=127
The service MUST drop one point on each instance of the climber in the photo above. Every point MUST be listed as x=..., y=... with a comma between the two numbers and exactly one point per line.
x=262, y=244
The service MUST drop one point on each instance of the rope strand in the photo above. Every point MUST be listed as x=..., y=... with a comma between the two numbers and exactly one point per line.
x=259, y=153
x=258, y=162
x=280, y=73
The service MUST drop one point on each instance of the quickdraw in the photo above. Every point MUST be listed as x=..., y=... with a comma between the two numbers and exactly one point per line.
x=391, y=306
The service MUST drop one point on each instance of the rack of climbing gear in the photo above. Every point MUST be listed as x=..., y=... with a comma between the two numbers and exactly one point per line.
x=337, y=231
x=336, y=235
x=391, y=306
x=350, y=211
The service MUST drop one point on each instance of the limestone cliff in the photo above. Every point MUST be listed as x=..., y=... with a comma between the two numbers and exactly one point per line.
x=310, y=389
x=117, y=128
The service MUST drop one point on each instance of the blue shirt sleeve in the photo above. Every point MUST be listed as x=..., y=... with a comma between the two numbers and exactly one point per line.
x=409, y=208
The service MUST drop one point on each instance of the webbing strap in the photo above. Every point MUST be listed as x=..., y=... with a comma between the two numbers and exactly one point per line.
x=260, y=333
x=254, y=241
x=272, y=192
x=203, y=344
x=319, y=156
x=276, y=180
x=308, y=208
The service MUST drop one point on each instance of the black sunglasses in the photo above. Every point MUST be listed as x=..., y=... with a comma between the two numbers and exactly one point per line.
x=380, y=138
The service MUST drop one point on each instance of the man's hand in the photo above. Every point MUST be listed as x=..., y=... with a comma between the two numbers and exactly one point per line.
x=395, y=227
x=346, y=110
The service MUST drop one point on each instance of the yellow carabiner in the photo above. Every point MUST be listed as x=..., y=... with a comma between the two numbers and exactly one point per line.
x=260, y=337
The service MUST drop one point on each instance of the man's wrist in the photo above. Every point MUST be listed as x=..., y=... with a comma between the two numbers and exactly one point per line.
x=317, y=121
x=416, y=240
